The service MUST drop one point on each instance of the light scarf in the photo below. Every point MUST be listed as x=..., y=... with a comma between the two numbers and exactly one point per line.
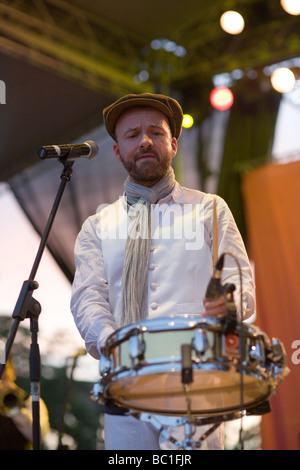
x=136, y=259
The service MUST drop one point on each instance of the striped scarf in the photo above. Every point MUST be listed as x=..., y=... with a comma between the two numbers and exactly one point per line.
x=136, y=259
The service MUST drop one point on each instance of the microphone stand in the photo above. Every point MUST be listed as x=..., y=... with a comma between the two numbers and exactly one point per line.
x=28, y=307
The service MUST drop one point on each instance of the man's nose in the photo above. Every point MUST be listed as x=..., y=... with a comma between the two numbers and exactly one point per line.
x=145, y=141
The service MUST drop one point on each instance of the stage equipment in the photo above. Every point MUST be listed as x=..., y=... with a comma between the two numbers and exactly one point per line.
x=11, y=400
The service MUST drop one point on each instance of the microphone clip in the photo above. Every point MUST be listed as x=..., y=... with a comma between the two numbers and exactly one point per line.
x=230, y=318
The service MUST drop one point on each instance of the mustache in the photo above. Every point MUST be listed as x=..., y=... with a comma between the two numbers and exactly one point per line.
x=142, y=152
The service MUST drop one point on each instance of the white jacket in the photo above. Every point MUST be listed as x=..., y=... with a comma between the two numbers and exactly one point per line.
x=180, y=264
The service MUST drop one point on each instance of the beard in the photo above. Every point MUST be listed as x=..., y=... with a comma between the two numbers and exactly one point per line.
x=151, y=171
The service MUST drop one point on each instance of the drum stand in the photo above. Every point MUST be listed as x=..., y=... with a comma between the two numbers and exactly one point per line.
x=162, y=423
x=190, y=423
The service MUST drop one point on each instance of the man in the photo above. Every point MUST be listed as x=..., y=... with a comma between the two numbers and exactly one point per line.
x=123, y=279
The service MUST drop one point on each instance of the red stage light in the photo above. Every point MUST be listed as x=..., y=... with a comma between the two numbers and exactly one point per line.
x=221, y=98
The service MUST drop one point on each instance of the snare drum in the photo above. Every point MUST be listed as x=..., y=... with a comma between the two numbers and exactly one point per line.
x=141, y=366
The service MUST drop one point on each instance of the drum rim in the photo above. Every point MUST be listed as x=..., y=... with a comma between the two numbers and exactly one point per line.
x=173, y=323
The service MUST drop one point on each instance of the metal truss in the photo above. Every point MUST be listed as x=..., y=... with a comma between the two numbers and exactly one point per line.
x=270, y=36
x=70, y=41
x=56, y=35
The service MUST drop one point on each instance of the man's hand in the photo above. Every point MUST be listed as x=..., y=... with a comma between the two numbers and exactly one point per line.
x=214, y=308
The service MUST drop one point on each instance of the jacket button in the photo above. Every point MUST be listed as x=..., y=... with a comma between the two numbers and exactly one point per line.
x=152, y=267
x=153, y=306
x=153, y=286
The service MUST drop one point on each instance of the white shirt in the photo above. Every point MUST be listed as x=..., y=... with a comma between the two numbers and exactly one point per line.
x=180, y=263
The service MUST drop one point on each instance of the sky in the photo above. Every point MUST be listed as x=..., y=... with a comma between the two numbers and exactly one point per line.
x=19, y=244
x=287, y=136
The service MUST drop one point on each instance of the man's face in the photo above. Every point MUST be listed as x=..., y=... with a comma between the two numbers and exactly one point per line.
x=144, y=145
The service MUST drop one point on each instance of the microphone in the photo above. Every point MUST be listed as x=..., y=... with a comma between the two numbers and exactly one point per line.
x=69, y=152
x=214, y=288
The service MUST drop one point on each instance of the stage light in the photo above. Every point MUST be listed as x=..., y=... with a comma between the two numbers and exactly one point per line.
x=187, y=121
x=232, y=22
x=221, y=98
x=283, y=80
x=291, y=6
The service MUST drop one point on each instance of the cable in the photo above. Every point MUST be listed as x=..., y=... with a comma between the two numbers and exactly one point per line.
x=241, y=342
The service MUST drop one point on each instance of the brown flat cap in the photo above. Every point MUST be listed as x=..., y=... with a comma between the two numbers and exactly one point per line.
x=170, y=107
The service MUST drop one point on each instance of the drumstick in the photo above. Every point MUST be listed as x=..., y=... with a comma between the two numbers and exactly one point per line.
x=215, y=233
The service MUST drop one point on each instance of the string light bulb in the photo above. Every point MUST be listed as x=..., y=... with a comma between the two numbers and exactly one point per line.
x=232, y=22
x=291, y=6
x=283, y=80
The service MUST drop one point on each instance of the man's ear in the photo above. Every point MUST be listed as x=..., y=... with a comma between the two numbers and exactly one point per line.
x=116, y=152
x=174, y=145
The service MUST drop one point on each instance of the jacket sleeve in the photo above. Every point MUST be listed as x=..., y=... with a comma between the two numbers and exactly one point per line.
x=90, y=293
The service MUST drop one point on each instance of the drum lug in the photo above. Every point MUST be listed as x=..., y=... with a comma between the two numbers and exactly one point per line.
x=105, y=364
x=278, y=353
x=278, y=357
x=257, y=352
x=136, y=347
x=200, y=342
x=97, y=393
